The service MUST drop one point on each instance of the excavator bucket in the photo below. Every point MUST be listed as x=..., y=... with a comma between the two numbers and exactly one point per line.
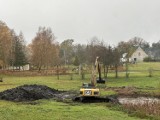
x=101, y=81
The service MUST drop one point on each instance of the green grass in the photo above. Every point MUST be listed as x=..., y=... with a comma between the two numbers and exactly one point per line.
x=52, y=110
x=141, y=82
x=145, y=66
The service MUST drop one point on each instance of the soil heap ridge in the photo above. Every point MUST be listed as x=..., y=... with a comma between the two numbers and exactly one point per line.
x=29, y=93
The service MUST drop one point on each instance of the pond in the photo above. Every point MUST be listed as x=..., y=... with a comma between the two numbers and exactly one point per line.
x=138, y=100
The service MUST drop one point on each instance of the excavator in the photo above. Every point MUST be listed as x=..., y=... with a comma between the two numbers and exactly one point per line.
x=89, y=91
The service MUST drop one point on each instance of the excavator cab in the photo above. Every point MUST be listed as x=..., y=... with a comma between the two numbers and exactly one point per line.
x=87, y=85
x=88, y=90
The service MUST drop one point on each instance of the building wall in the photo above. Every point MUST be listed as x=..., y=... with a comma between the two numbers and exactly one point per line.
x=138, y=55
x=22, y=68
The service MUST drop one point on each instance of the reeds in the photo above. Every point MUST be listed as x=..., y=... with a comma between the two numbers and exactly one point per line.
x=147, y=109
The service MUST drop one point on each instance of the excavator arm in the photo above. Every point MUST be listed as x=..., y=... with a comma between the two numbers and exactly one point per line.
x=99, y=80
x=94, y=73
x=89, y=91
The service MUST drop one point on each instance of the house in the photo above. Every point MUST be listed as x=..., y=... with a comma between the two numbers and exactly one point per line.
x=138, y=55
x=20, y=68
x=124, y=58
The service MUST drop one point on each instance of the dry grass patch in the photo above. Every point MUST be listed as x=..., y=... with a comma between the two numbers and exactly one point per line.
x=147, y=109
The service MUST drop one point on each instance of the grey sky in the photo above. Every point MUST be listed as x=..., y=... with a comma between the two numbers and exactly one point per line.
x=110, y=20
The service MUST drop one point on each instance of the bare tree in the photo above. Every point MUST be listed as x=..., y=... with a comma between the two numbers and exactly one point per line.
x=43, y=48
x=80, y=52
x=156, y=51
x=108, y=60
x=95, y=48
x=138, y=41
x=67, y=52
x=116, y=60
x=5, y=44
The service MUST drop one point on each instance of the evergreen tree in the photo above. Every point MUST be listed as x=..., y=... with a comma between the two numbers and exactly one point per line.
x=20, y=57
x=76, y=61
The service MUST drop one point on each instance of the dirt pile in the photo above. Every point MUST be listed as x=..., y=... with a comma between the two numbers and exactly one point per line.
x=29, y=93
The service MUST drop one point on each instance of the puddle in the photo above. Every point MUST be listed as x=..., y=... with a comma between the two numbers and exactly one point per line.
x=139, y=100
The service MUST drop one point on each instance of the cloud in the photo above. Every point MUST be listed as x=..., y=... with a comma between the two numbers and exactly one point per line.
x=110, y=20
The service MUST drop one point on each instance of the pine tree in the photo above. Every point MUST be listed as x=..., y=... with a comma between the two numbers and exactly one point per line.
x=76, y=61
x=20, y=57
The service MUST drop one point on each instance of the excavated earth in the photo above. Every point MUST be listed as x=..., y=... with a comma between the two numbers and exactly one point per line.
x=34, y=92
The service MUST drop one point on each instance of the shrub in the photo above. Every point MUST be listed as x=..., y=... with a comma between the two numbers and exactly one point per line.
x=147, y=59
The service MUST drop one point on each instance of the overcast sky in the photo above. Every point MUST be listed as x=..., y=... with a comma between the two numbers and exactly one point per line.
x=110, y=20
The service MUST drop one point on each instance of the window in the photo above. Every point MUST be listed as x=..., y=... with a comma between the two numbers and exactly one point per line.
x=139, y=54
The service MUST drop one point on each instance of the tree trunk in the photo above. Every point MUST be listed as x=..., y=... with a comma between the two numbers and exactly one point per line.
x=116, y=70
x=39, y=69
x=57, y=72
x=107, y=71
x=104, y=71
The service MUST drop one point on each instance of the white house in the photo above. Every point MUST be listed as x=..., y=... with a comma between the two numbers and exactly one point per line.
x=21, y=68
x=124, y=59
x=138, y=55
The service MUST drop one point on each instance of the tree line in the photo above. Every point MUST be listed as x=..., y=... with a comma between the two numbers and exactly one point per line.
x=12, y=47
x=45, y=52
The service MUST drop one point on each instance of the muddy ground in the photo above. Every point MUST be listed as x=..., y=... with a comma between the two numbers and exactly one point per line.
x=131, y=91
x=34, y=92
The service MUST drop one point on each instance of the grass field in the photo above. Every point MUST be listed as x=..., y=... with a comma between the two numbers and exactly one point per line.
x=52, y=110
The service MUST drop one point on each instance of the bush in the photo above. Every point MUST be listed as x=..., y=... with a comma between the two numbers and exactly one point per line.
x=147, y=59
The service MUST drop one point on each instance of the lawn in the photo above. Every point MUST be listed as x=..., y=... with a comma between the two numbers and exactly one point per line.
x=52, y=110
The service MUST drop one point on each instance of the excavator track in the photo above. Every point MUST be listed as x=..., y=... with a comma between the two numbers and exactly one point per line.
x=91, y=99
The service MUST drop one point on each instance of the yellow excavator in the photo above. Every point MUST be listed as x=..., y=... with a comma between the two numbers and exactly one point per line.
x=89, y=91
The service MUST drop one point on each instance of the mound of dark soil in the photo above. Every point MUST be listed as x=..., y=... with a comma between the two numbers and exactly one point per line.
x=29, y=93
